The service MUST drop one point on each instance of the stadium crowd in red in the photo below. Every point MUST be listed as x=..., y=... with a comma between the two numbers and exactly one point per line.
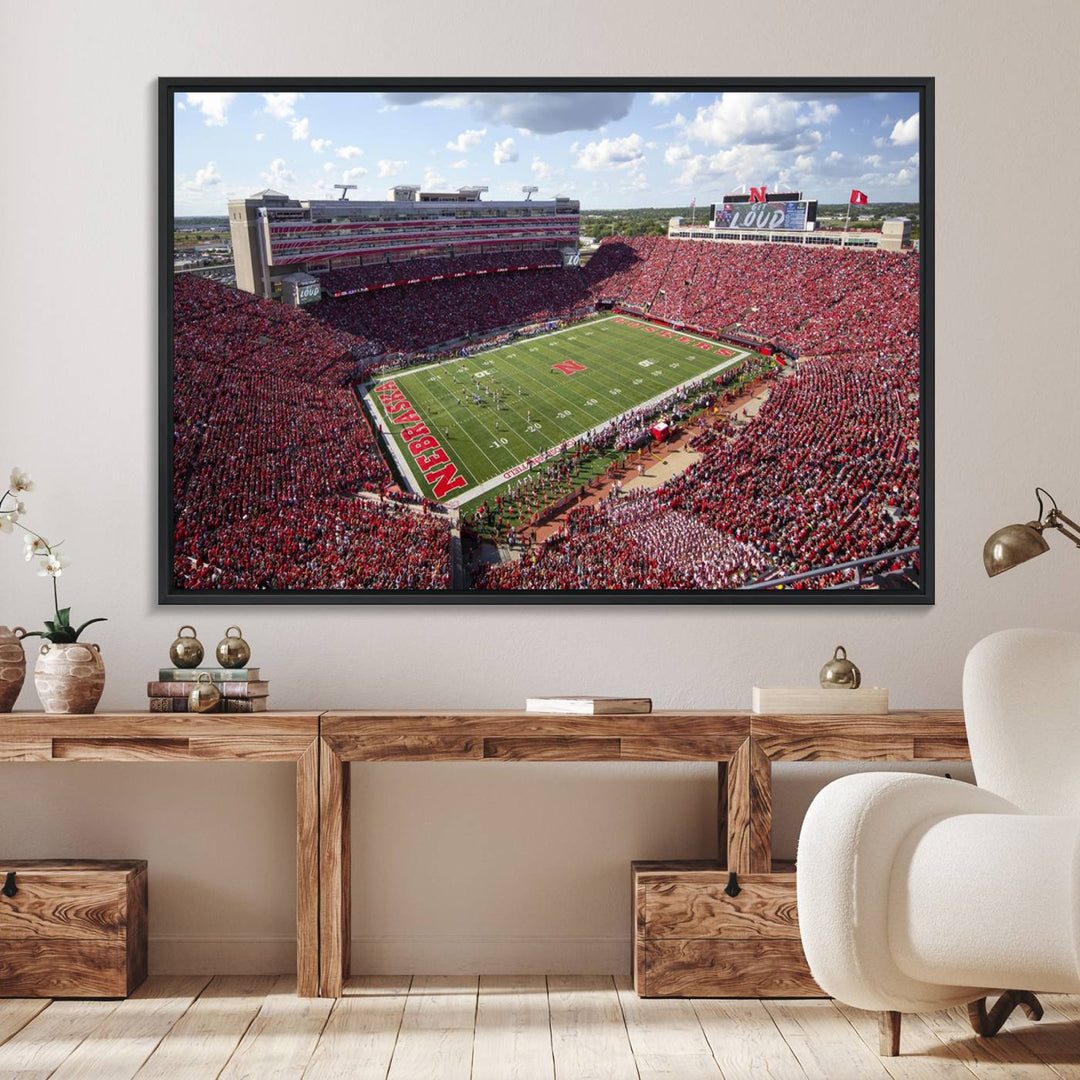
x=367, y=277
x=418, y=316
x=270, y=447
x=828, y=470
x=268, y=442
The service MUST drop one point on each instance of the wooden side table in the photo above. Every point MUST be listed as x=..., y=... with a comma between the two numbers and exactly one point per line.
x=503, y=736
x=259, y=737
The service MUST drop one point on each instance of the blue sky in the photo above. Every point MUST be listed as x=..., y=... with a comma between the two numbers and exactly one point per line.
x=608, y=149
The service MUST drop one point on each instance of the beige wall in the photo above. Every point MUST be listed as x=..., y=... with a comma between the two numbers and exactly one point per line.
x=497, y=867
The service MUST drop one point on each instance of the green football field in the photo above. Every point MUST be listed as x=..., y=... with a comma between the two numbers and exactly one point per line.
x=460, y=429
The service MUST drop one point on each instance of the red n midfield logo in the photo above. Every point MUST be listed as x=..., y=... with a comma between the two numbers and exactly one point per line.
x=757, y=194
x=568, y=367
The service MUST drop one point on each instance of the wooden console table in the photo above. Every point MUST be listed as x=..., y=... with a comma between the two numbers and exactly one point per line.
x=136, y=736
x=743, y=745
x=322, y=745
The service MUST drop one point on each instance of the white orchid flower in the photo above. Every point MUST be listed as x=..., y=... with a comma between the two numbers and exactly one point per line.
x=34, y=545
x=20, y=481
x=7, y=520
x=53, y=566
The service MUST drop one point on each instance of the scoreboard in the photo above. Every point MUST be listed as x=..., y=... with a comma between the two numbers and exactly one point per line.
x=791, y=216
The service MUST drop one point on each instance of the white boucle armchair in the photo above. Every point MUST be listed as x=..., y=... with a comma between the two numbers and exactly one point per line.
x=917, y=893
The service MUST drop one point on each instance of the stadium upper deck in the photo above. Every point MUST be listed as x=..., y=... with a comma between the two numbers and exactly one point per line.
x=274, y=235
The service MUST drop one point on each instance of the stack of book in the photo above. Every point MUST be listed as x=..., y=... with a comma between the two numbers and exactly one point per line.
x=241, y=689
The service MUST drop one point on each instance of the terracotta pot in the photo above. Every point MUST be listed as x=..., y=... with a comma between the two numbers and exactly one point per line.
x=12, y=666
x=69, y=678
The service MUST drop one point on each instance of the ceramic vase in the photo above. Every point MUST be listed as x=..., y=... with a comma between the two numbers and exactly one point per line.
x=69, y=678
x=12, y=667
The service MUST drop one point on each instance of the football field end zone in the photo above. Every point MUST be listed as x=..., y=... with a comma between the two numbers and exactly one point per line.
x=404, y=469
x=368, y=389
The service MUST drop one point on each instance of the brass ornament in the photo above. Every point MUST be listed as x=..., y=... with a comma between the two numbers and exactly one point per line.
x=840, y=673
x=204, y=696
x=233, y=652
x=186, y=652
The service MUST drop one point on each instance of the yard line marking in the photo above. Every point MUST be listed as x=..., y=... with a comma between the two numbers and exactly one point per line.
x=495, y=481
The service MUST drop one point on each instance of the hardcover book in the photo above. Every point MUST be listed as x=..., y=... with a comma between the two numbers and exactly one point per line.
x=588, y=706
x=191, y=674
x=227, y=705
x=253, y=689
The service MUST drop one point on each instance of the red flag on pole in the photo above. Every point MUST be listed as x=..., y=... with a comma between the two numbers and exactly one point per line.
x=858, y=198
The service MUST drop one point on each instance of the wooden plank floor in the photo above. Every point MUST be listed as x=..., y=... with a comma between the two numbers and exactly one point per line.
x=524, y=1027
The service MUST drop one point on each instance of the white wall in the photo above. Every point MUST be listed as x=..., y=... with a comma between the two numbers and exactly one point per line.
x=495, y=867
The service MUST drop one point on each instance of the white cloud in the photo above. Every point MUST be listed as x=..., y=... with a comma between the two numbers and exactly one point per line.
x=541, y=170
x=390, y=169
x=349, y=175
x=319, y=145
x=610, y=153
x=505, y=152
x=204, y=178
x=678, y=121
x=680, y=152
x=280, y=106
x=180, y=105
x=259, y=136
x=875, y=161
x=208, y=176
x=914, y=159
x=279, y=175
x=349, y=152
x=905, y=132
x=664, y=98
x=213, y=106
x=433, y=180
x=328, y=166
x=462, y=164
x=765, y=119
x=299, y=128
x=467, y=140
x=545, y=112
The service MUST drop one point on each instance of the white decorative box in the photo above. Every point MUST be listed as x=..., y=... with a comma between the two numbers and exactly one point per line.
x=817, y=701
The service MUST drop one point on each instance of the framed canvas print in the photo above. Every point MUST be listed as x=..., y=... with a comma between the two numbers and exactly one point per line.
x=546, y=340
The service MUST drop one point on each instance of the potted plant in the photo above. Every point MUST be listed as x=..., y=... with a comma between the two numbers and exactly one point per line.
x=69, y=674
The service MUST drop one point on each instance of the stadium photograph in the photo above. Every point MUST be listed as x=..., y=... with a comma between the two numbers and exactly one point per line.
x=545, y=341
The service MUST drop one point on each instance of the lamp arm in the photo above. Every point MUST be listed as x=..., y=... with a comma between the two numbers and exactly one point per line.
x=1059, y=521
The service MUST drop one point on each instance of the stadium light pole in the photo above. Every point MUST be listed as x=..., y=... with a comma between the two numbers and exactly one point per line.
x=530, y=190
x=345, y=189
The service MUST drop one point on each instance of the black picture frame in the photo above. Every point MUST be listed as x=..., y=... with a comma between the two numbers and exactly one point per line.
x=167, y=594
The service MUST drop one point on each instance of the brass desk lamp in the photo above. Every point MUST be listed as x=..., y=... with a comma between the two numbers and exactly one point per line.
x=1014, y=544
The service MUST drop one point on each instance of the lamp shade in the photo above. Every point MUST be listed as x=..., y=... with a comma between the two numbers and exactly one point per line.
x=1012, y=545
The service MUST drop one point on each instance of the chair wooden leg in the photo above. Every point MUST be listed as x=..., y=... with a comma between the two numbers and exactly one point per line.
x=988, y=1024
x=889, y=1033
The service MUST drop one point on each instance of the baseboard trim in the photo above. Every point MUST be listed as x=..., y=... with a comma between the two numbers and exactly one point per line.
x=392, y=954
x=446, y=954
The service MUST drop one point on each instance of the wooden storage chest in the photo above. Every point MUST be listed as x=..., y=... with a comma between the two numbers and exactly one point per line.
x=71, y=928
x=692, y=939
